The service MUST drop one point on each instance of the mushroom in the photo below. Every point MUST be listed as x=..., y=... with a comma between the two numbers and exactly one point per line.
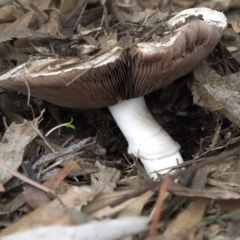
x=119, y=78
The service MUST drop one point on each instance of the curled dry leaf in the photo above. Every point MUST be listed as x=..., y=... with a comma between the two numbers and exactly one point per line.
x=13, y=145
x=218, y=93
x=136, y=208
x=122, y=208
x=53, y=26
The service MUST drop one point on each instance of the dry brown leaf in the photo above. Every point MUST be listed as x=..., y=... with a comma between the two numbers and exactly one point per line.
x=67, y=6
x=231, y=40
x=234, y=20
x=154, y=3
x=2, y=189
x=12, y=172
x=180, y=227
x=22, y=33
x=225, y=175
x=34, y=197
x=103, y=200
x=20, y=28
x=6, y=13
x=109, y=211
x=185, y=3
x=218, y=93
x=54, y=212
x=13, y=144
x=233, y=231
x=228, y=205
x=53, y=26
x=221, y=5
x=106, y=177
x=54, y=181
x=136, y=208
x=83, y=168
x=24, y=21
x=12, y=206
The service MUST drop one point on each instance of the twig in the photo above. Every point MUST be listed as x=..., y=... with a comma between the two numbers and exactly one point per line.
x=69, y=150
x=207, y=161
x=43, y=138
x=28, y=96
x=159, y=206
x=84, y=6
x=24, y=178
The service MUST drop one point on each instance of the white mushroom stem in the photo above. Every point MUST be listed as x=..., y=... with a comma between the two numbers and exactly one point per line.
x=146, y=138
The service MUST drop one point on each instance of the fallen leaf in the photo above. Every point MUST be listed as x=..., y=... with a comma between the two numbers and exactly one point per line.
x=23, y=22
x=136, y=208
x=53, y=26
x=54, y=181
x=110, y=211
x=12, y=206
x=2, y=189
x=187, y=192
x=103, y=200
x=234, y=20
x=54, y=212
x=179, y=228
x=6, y=13
x=13, y=144
x=218, y=93
x=106, y=176
x=34, y=197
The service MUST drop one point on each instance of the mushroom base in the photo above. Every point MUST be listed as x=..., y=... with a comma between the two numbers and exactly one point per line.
x=146, y=138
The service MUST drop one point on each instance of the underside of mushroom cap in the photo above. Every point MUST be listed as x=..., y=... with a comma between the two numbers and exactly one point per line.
x=48, y=79
x=121, y=74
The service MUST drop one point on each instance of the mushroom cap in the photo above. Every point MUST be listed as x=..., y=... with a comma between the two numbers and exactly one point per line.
x=121, y=74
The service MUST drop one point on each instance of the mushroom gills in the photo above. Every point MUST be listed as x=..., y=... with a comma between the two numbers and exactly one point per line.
x=146, y=138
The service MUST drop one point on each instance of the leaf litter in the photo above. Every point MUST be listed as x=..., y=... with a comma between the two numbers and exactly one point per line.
x=83, y=179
